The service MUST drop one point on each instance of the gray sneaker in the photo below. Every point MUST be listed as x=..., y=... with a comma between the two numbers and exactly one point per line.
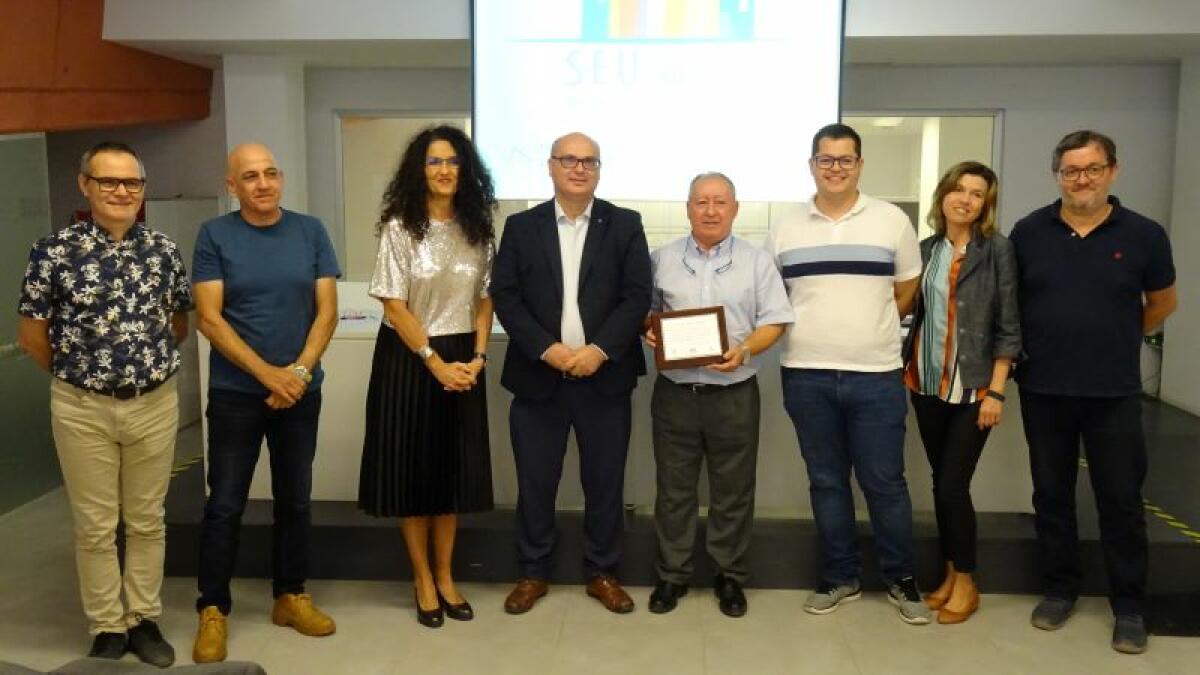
x=1129, y=634
x=905, y=596
x=828, y=596
x=1052, y=613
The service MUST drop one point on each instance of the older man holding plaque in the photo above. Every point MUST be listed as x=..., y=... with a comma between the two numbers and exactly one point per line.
x=709, y=412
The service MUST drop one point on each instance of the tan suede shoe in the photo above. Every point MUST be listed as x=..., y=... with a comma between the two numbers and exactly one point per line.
x=210, y=636
x=298, y=611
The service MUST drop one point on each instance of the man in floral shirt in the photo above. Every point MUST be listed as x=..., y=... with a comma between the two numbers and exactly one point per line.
x=104, y=309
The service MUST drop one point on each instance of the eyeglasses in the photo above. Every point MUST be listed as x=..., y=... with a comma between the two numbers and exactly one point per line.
x=720, y=270
x=571, y=161
x=438, y=162
x=828, y=161
x=132, y=185
x=1092, y=171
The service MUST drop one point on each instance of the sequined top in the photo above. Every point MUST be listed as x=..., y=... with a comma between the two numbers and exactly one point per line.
x=441, y=276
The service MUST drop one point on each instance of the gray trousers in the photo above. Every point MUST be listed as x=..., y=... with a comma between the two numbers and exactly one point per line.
x=717, y=425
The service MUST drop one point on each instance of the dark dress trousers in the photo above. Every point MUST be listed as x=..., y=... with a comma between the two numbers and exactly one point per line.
x=614, y=297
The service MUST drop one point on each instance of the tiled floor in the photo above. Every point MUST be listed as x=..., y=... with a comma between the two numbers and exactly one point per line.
x=41, y=625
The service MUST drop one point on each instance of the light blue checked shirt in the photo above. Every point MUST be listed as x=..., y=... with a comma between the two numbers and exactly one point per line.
x=735, y=274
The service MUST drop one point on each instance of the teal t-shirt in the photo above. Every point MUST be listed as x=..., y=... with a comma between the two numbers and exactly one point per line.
x=269, y=276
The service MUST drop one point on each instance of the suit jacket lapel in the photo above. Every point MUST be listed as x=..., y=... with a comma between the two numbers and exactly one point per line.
x=548, y=229
x=597, y=226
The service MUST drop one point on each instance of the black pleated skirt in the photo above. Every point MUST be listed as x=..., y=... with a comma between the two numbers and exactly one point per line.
x=426, y=449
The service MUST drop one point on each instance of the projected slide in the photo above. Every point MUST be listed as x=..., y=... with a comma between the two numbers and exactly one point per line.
x=669, y=88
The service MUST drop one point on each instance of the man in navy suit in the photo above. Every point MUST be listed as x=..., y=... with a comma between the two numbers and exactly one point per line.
x=571, y=285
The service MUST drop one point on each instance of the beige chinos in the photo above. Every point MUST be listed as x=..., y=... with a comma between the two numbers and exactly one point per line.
x=116, y=458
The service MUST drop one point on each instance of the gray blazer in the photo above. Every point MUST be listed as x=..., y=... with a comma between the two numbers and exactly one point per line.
x=989, y=326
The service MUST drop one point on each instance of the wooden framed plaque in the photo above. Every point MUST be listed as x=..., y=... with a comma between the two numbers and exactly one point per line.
x=689, y=338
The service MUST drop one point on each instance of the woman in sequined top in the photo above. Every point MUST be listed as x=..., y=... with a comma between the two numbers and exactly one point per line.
x=426, y=456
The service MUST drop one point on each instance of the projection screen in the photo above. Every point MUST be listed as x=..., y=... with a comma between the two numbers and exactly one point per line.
x=669, y=88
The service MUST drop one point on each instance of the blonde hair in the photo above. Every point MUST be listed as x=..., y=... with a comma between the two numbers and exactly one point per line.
x=985, y=224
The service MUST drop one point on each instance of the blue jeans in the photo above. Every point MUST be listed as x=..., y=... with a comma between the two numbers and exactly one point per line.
x=854, y=420
x=237, y=424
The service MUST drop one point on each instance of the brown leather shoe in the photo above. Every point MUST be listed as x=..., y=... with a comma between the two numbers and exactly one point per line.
x=524, y=595
x=606, y=589
x=298, y=611
x=210, y=636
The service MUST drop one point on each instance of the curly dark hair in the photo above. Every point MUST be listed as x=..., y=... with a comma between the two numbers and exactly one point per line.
x=406, y=195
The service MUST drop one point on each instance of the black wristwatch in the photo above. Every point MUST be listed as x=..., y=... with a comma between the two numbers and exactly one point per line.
x=481, y=355
x=994, y=394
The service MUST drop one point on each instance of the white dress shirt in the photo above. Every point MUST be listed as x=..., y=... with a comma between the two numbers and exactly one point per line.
x=571, y=235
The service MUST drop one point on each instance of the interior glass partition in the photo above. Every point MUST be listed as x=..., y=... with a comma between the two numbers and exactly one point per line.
x=28, y=466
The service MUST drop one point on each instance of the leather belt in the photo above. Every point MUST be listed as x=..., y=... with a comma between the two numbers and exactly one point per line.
x=702, y=388
x=129, y=391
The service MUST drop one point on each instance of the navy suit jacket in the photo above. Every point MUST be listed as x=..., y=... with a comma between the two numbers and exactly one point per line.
x=614, y=296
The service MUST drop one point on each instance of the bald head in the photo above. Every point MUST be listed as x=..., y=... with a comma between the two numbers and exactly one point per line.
x=573, y=139
x=574, y=185
x=247, y=153
x=256, y=180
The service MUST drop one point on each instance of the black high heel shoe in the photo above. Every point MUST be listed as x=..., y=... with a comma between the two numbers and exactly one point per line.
x=433, y=618
x=460, y=612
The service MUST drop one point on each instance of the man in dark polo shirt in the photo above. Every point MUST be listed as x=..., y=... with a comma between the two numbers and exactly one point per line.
x=1094, y=278
x=104, y=308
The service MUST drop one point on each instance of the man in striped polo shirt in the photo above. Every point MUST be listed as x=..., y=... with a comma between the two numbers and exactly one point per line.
x=851, y=266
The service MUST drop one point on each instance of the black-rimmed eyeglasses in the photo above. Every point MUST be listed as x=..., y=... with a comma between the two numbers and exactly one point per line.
x=107, y=184
x=1092, y=171
x=829, y=161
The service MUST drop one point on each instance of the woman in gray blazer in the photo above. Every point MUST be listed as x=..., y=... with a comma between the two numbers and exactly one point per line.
x=964, y=338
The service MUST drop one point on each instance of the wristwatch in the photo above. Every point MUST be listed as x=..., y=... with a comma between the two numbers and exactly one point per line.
x=482, y=356
x=301, y=372
x=425, y=352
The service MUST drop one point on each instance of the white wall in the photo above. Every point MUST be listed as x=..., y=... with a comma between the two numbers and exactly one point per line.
x=234, y=20
x=1134, y=104
x=449, y=19
x=927, y=18
x=264, y=97
x=1181, y=353
x=329, y=91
